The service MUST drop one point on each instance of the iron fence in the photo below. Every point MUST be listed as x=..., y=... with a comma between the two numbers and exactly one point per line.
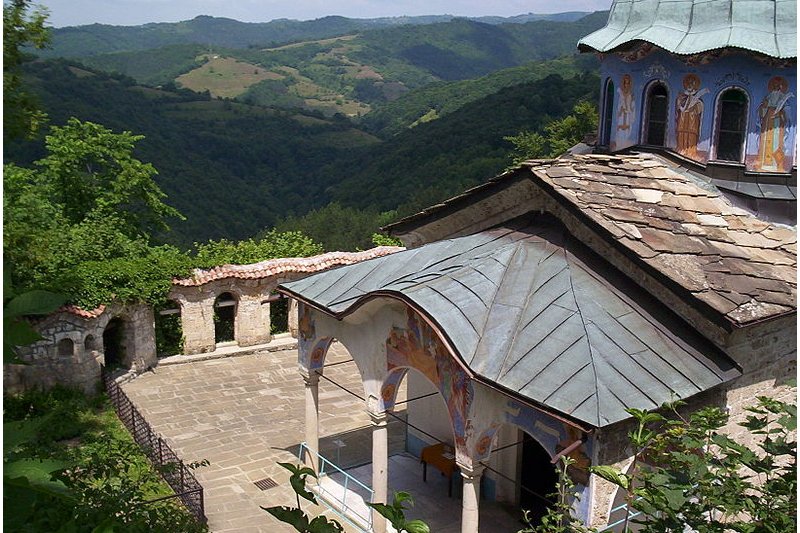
x=170, y=466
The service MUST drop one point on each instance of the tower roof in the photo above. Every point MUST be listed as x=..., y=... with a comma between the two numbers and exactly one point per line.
x=692, y=26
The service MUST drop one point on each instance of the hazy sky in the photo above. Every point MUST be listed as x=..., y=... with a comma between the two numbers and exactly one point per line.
x=133, y=12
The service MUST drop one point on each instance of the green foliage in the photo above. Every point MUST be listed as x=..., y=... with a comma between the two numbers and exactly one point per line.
x=295, y=516
x=270, y=245
x=22, y=26
x=395, y=514
x=687, y=474
x=339, y=228
x=90, y=171
x=559, y=135
x=69, y=465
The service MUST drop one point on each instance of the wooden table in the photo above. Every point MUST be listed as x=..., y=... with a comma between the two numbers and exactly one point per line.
x=442, y=457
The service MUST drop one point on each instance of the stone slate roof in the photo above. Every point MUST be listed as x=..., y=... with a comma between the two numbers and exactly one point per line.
x=282, y=265
x=671, y=223
x=742, y=267
x=528, y=307
x=693, y=26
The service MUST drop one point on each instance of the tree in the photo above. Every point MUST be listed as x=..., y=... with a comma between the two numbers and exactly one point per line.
x=91, y=170
x=21, y=28
x=560, y=135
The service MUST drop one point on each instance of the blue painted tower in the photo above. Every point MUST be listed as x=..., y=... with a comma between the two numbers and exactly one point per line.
x=712, y=83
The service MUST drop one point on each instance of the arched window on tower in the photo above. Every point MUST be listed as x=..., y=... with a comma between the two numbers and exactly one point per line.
x=731, y=125
x=657, y=109
x=608, y=113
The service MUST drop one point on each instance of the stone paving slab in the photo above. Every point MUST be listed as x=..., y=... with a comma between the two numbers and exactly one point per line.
x=244, y=414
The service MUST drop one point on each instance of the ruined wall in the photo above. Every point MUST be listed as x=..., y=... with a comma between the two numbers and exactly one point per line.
x=71, y=351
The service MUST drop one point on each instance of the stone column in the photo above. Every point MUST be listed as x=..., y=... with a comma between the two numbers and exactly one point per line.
x=470, y=500
x=380, y=467
x=311, y=380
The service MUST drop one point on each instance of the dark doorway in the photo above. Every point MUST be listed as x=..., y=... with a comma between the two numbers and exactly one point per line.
x=657, y=108
x=537, y=479
x=224, y=317
x=278, y=314
x=114, y=344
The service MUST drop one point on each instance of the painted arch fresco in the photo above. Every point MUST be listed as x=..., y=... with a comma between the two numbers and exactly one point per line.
x=705, y=95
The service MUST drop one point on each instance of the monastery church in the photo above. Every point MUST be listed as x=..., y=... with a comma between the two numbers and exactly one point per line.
x=659, y=263
x=655, y=261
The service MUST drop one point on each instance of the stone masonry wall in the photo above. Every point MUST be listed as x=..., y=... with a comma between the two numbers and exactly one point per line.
x=51, y=361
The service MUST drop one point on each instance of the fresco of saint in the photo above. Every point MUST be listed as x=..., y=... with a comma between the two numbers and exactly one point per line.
x=772, y=115
x=625, y=109
x=689, y=116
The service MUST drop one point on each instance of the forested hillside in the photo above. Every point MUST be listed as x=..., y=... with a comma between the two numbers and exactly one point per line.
x=89, y=40
x=234, y=169
x=353, y=74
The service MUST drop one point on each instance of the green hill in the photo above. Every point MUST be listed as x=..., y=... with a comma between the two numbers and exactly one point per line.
x=230, y=168
x=352, y=74
x=95, y=39
x=234, y=169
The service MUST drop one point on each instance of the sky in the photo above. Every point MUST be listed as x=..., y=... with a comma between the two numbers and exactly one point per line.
x=134, y=12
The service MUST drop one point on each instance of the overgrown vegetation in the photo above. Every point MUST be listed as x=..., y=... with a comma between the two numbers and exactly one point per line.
x=687, y=475
x=70, y=465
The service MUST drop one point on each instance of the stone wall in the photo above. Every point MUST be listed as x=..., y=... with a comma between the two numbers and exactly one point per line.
x=252, y=322
x=71, y=351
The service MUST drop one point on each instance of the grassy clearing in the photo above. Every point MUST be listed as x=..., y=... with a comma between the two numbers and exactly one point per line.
x=225, y=77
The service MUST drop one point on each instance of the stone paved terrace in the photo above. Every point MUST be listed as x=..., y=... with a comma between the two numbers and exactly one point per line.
x=244, y=414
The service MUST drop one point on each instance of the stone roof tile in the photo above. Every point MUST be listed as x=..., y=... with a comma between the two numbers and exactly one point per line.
x=742, y=267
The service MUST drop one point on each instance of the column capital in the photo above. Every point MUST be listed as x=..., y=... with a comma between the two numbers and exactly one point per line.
x=378, y=419
x=310, y=377
x=471, y=473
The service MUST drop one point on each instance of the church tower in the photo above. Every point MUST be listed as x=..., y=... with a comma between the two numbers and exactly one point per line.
x=711, y=83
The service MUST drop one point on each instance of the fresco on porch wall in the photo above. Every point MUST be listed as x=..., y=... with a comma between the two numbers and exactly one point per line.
x=311, y=351
x=695, y=84
x=418, y=346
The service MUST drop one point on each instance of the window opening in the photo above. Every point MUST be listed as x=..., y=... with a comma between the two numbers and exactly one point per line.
x=657, y=107
x=732, y=125
x=608, y=113
x=169, y=329
x=224, y=317
x=66, y=348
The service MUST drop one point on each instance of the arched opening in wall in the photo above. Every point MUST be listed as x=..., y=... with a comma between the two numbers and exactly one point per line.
x=537, y=479
x=278, y=313
x=225, y=317
x=608, y=113
x=89, y=343
x=66, y=348
x=169, y=329
x=731, y=125
x=657, y=110
x=114, y=348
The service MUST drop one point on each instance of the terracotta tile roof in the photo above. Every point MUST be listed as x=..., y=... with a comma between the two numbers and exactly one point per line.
x=273, y=267
x=83, y=313
x=681, y=226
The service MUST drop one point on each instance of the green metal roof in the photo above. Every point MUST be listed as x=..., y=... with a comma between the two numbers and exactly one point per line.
x=528, y=307
x=693, y=26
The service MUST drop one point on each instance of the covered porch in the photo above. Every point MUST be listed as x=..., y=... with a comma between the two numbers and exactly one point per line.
x=529, y=345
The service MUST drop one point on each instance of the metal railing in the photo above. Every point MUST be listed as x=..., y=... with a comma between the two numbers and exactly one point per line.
x=340, y=492
x=623, y=509
x=169, y=465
